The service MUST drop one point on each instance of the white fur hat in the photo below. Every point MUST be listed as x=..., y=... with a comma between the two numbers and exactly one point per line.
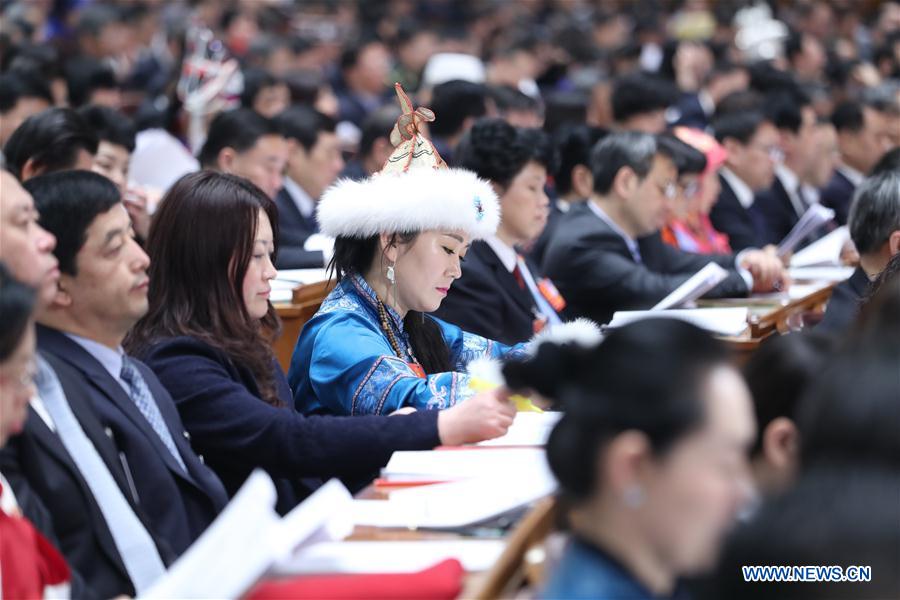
x=415, y=191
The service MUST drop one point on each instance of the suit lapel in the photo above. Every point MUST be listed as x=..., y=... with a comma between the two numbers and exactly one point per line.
x=506, y=279
x=96, y=376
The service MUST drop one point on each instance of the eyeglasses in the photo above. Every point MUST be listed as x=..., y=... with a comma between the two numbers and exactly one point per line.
x=669, y=190
x=690, y=189
x=775, y=153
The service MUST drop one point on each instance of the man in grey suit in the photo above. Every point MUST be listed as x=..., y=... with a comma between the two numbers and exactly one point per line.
x=611, y=256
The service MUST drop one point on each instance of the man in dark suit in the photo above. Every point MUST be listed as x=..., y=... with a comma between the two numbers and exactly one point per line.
x=875, y=230
x=752, y=144
x=52, y=488
x=612, y=257
x=102, y=293
x=806, y=146
x=314, y=162
x=863, y=138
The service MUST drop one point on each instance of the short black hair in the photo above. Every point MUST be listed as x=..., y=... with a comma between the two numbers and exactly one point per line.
x=453, y=102
x=741, y=126
x=51, y=139
x=495, y=150
x=16, y=305
x=640, y=93
x=68, y=203
x=110, y=125
x=573, y=144
x=378, y=124
x=17, y=85
x=621, y=149
x=508, y=98
x=86, y=75
x=785, y=109
x=780, y=372
x=604, y=391
x=849, y=116
x=688, y=160
x=238, y=129
x=350, y=53
x=304, y=124
x=255, y=80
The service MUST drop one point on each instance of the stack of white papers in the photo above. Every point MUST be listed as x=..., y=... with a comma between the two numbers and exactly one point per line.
x=528, y=429
x=824, y=251
x=465, y=463
x=816, y=216
x=701, y=282
x=459, y=503
x=391, y=556
x=283, y=285
x=248, y=537
x=721, y=321
x=829, y=274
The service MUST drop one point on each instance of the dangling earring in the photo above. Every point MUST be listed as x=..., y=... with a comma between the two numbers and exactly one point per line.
x=390, y=274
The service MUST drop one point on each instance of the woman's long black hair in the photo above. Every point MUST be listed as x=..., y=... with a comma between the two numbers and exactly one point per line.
x=354, y=255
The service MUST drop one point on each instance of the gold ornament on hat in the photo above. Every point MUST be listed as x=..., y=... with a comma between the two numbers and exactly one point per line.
x=412, y=150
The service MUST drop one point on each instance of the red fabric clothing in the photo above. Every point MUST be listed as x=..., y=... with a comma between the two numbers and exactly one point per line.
x=30, y=567
x=699, y=237
x=440, y=582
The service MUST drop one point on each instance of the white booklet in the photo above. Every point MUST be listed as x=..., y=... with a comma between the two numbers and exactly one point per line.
x=814, y=217
x=824, y=251
x=528, y=429
x=463, y=463
x=248, y=537
x=722, y=321
x=701, y=282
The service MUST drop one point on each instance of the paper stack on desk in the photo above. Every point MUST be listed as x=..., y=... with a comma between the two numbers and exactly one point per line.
x=248, y=537
x=528, y=429
x=721, y=321
x=824, y=251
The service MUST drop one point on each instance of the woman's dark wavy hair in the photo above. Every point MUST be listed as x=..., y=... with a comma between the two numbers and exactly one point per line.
x=495, y=150
x=16, y=305
x=647, y=376
x=355, y=256
x=200, y=246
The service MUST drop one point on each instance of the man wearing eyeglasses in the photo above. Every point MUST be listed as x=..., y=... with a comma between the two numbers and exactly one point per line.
x=753, y=149
x=608, y=254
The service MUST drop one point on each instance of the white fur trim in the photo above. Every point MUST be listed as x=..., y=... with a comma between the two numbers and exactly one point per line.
x=486, y=369
x=420, y=199
x=583, y=332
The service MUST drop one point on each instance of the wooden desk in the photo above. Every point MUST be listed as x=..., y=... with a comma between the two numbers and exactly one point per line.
x=772, y=314
x=304, y=304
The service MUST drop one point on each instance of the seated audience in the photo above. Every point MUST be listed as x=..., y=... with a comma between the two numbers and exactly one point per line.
x=639, y=102
x=57, y=139
x=102, y=292
x=374, y=144
x=500, y=295
x=207, y=337
x=689, y=227
x=609, y=255
x=458, y=105
x=652, y=471
x=21, y=95
x=863, y=138
x=314, y=162
x=264, y=93
x=875, y=231
x=243, y=143
x=66, y=473
x=752, y=145
x=32, y=567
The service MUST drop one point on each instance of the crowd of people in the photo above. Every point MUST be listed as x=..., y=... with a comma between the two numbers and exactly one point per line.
x=482, y=180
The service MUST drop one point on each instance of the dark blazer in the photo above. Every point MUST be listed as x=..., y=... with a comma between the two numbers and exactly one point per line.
x=838, y=195
x=488, y=300
x=595, y=272
x=293, y=230
x=690, y=112
x=47, y=483
x=745, y=229
x=774, y=207
x=843, y=306
x=179, y=504
x=237, y=432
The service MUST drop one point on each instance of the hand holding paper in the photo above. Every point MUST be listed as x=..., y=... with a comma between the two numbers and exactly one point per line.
x=816, y=216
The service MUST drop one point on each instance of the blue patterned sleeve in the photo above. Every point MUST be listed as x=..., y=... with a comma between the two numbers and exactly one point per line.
x=466, y=347
x=354, y=372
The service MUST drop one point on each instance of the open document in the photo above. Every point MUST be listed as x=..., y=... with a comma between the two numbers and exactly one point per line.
x=815, y=216
x=824, y=251
x=248, y=537
x=528, y=429
x=701, y=282
x=721, y=321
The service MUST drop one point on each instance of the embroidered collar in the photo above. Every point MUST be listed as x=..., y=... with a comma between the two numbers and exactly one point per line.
x=366, y=292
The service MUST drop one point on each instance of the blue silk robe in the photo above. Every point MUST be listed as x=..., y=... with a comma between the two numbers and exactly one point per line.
x=343, y=363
